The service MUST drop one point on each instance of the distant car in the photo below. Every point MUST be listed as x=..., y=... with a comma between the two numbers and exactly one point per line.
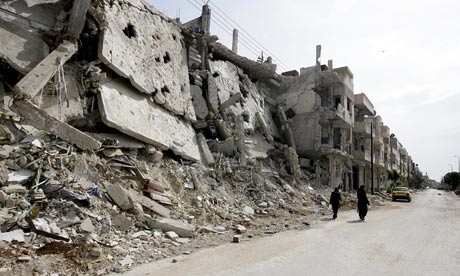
x=401, y=193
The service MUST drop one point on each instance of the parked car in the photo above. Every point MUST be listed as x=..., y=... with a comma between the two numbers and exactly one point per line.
x=401, y=193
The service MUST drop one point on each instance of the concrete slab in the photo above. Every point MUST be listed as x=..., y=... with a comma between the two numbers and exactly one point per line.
x=156, y=63
x=22, y=46
x=227, y=79
x=69, y=107
x=38, y=118
x=31, y=84
x=199, y=103
x=135, y=114
x=149, y=203
x=207, y=157
x=20, y=177
x=182, y=229
x=120, y=196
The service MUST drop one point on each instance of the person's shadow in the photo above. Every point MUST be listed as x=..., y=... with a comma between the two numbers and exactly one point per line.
x=355, y=221
x=326, y=219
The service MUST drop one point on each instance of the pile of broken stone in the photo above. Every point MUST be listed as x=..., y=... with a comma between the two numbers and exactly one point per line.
x=114, y=199
x=118, y=161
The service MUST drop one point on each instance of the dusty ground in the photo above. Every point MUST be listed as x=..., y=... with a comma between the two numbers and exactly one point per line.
x=76, y=259
x=417, y=238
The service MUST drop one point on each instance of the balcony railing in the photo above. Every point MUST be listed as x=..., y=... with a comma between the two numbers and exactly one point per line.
x=362, y=155
x=362, y=127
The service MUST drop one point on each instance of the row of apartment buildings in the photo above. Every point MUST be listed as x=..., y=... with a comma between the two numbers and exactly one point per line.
x=329, y=124
x=340, y=130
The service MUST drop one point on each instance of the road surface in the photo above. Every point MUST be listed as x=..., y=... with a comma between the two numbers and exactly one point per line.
x=417, y=238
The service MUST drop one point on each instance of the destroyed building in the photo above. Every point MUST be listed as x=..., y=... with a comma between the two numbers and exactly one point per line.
x=161, y=127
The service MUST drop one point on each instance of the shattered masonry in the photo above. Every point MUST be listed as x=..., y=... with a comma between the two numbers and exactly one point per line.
x=122, y=128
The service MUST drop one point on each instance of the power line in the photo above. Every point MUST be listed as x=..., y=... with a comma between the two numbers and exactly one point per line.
x=245, y=32
x=227, y=31
x=246, y=43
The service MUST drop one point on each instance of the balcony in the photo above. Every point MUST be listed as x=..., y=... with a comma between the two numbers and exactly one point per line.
x=364, y=156
x=378, y=141
x=362, y=127
x=385, y=131
x=363, y=103
x=344, y=117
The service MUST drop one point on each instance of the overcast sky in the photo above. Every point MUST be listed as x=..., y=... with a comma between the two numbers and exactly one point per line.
x=404, y=54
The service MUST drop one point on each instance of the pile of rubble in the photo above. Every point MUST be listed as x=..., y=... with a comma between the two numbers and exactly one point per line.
x=120, y=207
x=160, y=142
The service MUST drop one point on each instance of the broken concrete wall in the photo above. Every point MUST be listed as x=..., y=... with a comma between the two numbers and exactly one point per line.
x=140, y=44
x=307, y=134
x=255, y=69
x=22, y=45
x=125, y=109
x=226, y=77
x=302, y=105
x=238, y=95
x=65, y=104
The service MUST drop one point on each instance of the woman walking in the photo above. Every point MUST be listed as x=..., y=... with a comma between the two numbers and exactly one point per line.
x=362, y=202
x=335, y=201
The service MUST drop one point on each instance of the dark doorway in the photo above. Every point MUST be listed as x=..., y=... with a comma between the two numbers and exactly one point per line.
x=355, y=178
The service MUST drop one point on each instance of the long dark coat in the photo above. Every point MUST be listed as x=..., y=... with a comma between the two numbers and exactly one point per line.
x=335, y=200
x=362, y=203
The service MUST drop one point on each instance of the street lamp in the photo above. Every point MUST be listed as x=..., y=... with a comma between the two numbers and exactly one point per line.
x=458, y=162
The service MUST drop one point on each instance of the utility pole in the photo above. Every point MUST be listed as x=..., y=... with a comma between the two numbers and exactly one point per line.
x=235, y=41
x=372, y=156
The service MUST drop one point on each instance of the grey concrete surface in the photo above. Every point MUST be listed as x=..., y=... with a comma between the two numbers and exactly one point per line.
x=417, y=238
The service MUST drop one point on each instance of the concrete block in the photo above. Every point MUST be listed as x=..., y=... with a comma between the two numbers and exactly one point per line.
x=14, y=188
x=248, y=211
x=199, y=103
x=87, y=226
x=5, y=151
x=119, y=196
x=3, y=198
x=16, y=235
x=172, y=235
x=70, y=106
x=212, y=95
x=22, y=46
x=32, y=83
x=230, y=101
x=134, y=114
x=149, y=204
x=226, y=77
x=183, y=229
x=257, y=147
x=227, y=147
x=153, y=43
x=39, y=119
x=206, y=155
x=20, y=177
x=121, y=222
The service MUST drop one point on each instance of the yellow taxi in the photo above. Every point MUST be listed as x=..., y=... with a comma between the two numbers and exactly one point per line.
x=401, y=193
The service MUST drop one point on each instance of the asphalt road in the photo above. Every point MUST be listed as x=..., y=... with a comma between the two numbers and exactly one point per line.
x=417, y=238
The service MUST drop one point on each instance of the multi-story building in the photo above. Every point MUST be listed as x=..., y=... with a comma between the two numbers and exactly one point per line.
x=380, y=172
x=362, y=134
x=395, y=154
x=320, y=106
x=385, y=130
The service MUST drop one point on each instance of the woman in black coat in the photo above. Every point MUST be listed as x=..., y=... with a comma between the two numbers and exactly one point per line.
x=335, y=202
x=362, y=202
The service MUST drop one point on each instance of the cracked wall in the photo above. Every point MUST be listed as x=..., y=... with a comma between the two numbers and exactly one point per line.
x=140, y=44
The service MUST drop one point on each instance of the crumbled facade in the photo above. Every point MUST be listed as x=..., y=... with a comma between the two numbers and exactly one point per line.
x=157, y=120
